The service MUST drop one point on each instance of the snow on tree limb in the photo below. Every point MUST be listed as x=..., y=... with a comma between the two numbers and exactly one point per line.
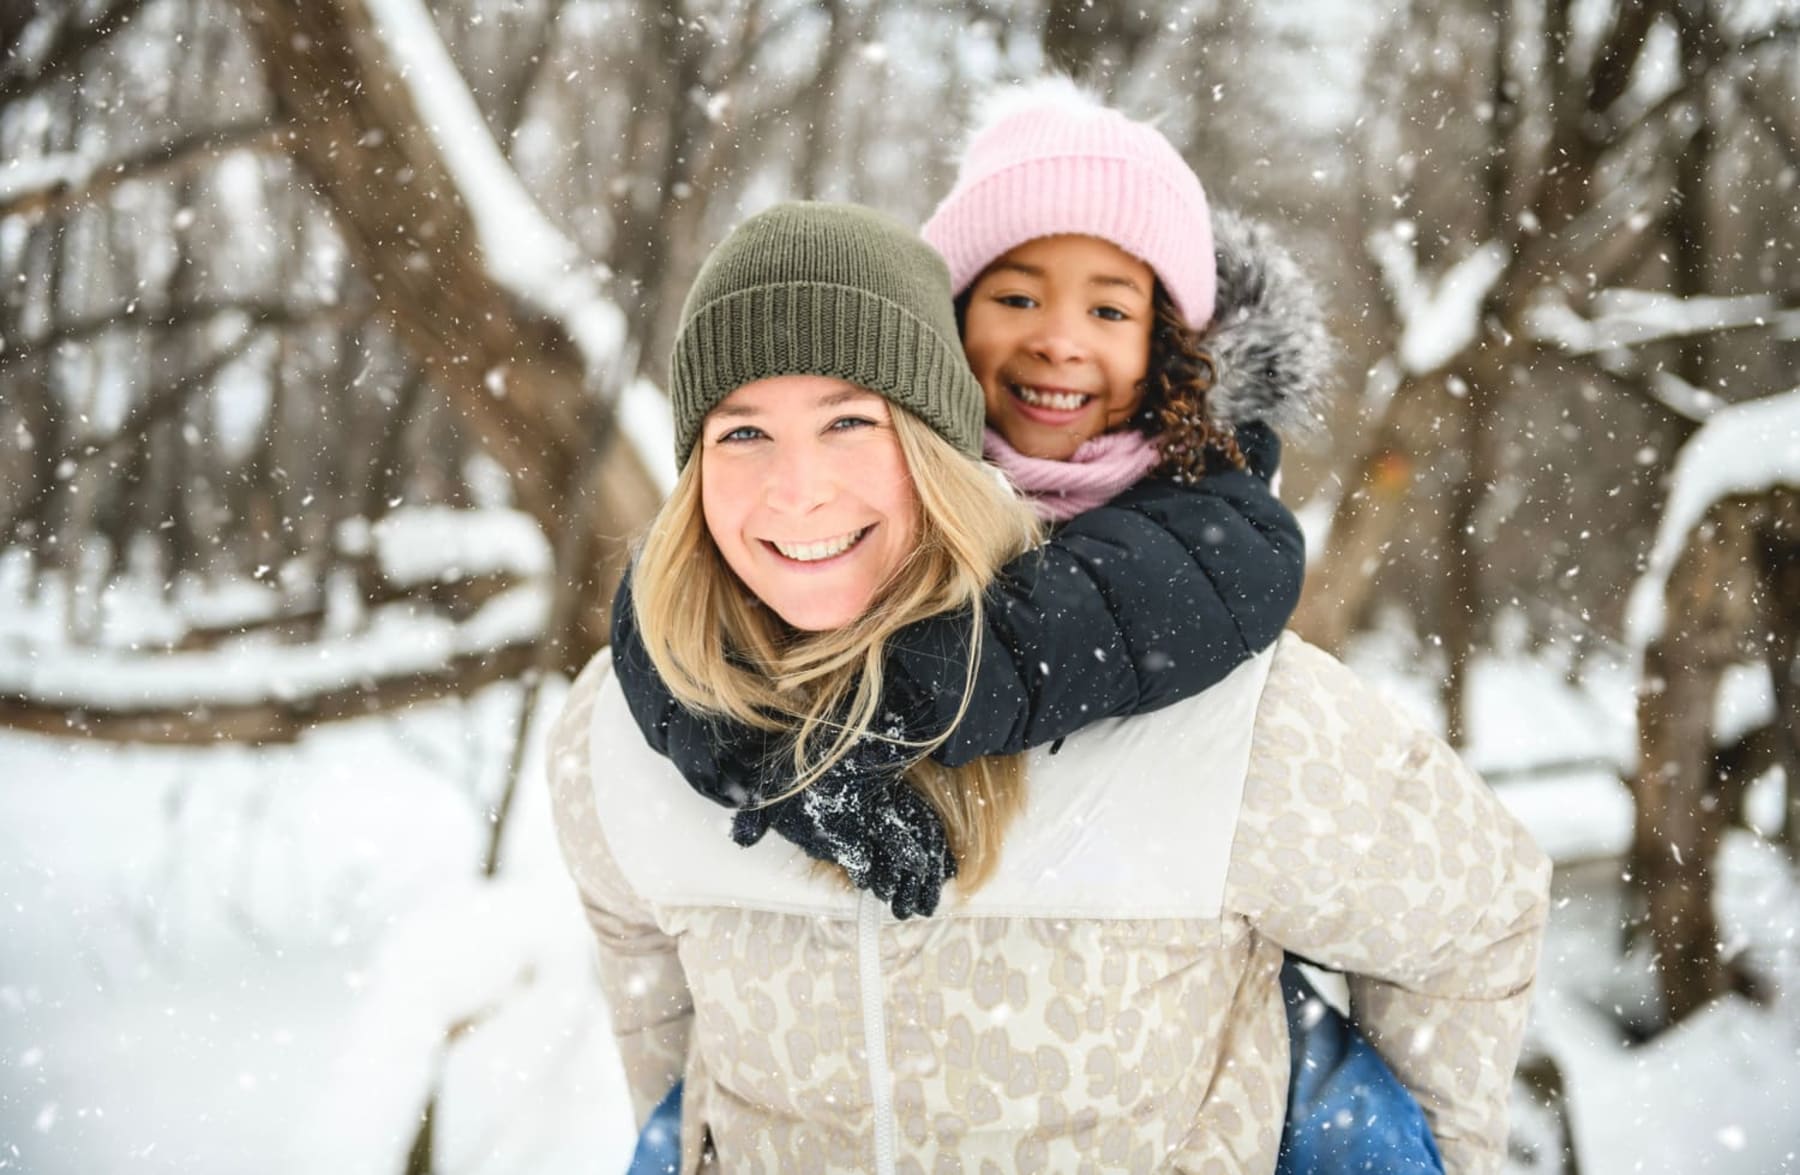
x=1742, y=449
x=1438, y=320
x=23, y=178
x=1632, y=318
x=406, y=643
x=526, y=254
x=54, y=183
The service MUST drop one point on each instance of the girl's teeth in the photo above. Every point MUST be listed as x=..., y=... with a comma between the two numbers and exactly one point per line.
x=824, y=549
x=1057, y=401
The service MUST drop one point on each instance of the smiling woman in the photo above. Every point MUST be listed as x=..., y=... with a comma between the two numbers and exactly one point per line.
x=805, y=492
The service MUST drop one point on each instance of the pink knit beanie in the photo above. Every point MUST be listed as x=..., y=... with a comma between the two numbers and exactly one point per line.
x=1047, y=158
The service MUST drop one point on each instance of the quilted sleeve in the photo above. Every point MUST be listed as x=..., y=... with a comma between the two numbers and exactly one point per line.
x=640, y=972
x=1132, y=606
x=1365, y=845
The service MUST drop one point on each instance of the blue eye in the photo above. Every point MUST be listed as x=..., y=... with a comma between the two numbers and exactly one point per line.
x=743, y=432
x=844, y=423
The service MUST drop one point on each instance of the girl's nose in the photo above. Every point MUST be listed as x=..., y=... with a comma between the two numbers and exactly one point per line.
x=1057, y=339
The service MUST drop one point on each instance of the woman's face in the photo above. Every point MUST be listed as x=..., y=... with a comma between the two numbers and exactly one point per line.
x=1058, y=333
x=807, y=496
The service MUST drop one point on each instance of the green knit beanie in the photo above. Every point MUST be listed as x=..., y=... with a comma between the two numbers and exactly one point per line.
x=824, y=289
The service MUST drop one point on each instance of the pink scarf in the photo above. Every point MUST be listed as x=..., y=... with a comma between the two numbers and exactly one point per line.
x=1093, y=476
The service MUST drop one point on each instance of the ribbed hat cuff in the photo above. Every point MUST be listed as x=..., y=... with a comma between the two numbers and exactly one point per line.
x=816, y=328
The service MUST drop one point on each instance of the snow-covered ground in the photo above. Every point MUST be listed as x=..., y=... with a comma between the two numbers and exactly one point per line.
x=221, y=960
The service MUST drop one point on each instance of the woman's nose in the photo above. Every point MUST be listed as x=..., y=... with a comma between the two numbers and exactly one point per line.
x=798, y=479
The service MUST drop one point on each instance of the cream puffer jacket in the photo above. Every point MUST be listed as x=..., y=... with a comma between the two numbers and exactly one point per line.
x=1108, y=1001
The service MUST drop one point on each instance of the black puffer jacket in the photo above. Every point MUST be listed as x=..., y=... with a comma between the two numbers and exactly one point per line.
x=1135, y=605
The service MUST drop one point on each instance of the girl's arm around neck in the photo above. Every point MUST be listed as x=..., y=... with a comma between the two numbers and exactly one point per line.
x=1130, y=607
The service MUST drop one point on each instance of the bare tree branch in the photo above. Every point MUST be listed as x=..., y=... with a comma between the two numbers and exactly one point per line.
x=1617, y=58
x=156, y=406
x=1771, y=123
x=70, y=47
x=185, y=316
x=59, y=194
x=269, y=720
x=514, y=104
x=152, y=408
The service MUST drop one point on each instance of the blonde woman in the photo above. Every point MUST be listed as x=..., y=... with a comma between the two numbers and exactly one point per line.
x=1098, y=989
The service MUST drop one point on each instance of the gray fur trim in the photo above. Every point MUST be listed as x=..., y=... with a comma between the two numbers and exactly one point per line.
x=1273, y=355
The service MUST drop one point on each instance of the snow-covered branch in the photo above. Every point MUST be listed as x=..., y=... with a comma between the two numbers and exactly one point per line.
x=1438, y=319
x=23, y=179
x=398, y=645
x=1742, y=449
x=52, y=182
x=1631, y=318
x=525, y=253
x=438, y=544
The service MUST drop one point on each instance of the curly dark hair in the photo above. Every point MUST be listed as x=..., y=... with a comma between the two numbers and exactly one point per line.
x=1175, y=412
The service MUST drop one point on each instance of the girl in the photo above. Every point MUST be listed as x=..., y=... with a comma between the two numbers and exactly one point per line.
x=1103, y=993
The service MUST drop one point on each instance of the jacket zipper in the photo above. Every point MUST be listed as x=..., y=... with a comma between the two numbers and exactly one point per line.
x=874, y=1016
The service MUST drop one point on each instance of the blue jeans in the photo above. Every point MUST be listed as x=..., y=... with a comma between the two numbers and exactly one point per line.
x=659, y=1146
x=1346, y=1110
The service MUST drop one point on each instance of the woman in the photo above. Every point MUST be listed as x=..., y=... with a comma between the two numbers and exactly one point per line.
x=1099, y=989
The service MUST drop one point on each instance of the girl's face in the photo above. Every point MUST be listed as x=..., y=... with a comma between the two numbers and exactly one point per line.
x=1058, y=333
x=807, y=496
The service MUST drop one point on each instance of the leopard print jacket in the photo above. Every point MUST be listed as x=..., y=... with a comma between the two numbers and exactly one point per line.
x=1108, y=1001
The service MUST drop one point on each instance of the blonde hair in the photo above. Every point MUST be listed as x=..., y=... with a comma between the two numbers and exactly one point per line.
x=722, y=652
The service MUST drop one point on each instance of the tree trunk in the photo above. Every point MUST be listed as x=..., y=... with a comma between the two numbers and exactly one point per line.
x=1779, y=550
x=1368, y=517
x=1676, y=835
x=1709, y=608
x=360, y=138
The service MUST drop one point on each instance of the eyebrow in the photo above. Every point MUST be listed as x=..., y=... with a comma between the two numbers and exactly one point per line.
x=841, y=396
x=1099, y=279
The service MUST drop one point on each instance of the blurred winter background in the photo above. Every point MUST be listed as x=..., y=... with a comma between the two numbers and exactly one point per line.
x=330, y=337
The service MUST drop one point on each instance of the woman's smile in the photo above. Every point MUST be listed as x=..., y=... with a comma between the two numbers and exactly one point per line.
x=821, y=551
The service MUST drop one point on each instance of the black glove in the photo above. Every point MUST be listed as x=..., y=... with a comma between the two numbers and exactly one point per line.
x=863, y=816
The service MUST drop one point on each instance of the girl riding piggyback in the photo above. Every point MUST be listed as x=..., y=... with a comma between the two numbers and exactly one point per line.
x=1133, y=352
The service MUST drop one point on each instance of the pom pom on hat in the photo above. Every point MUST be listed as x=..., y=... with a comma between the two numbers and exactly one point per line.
x=1046, y=158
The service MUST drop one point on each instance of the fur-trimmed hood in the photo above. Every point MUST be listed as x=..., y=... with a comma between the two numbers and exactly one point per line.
x=1273, y=355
